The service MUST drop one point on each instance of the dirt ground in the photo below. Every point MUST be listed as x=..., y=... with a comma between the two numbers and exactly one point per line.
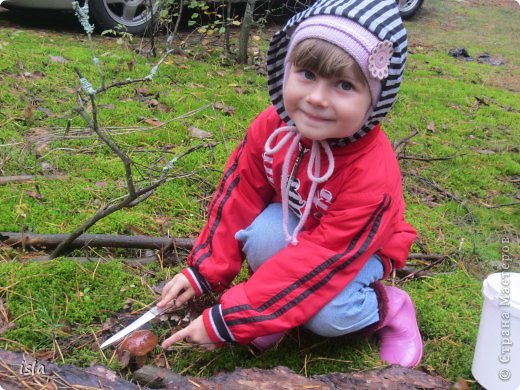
x=429, y=30
x=499, y=3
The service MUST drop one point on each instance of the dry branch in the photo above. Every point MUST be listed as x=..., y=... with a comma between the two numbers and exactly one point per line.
x=135, y=194
x=426, y=159
x=29, y=178
x=94, y=240
x=399, y=144
x=435, y=259
x=470, y=216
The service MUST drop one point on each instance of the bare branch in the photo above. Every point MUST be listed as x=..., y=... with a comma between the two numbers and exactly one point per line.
x=29, y=178
x=437, y=259
x=426, y=159
x=400, y=143
x=94, y=240
x=449, y=195
x=130, y=200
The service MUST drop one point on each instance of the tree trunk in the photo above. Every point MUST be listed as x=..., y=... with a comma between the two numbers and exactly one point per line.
x=16, y=372
x=247, y=22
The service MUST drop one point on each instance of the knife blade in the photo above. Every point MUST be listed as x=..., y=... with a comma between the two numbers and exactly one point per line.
x=146, y=317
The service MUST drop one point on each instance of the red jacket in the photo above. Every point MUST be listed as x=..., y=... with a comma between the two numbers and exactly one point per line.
x=359, y=211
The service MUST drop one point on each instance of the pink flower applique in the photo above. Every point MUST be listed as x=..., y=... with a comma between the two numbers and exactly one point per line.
x=379, y=59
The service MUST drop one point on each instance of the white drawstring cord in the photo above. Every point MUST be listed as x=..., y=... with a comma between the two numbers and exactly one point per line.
x=313, y=172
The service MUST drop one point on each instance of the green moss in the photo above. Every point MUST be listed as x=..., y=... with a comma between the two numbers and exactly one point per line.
x=44, y=297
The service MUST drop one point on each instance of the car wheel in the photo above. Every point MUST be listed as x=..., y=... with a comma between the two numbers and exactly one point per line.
x=408, y=8
x=134, y=15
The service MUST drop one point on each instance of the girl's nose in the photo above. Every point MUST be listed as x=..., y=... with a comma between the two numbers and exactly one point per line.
x=318, y=95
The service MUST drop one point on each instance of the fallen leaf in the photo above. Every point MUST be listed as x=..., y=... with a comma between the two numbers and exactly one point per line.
x=485, y=151
x=46, y=167
x=160, y=361
x=228, y=110
x=152, y=102
x=107, y=106
x=135, y=230
x=51, y=385
x=261, y=71
x=153, y=122
x=163, y=108
x=58, y=59
x=6, y=327
x=4, y=316
x=34, y=195
x=128, y=305
x=34, y=75
x=46, y=355
x=143, y=91
x=48, y=113
x=28, y=112
x=431, y=126
x=195, y=132
x=461, y=384
x=161, y=219
x=38, y=138
x=101, y=184
x=440, y=236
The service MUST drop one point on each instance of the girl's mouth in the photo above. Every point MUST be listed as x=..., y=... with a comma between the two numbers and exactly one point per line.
x=315, y=118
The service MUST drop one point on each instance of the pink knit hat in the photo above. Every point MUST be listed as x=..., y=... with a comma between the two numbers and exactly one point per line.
x=372, y=55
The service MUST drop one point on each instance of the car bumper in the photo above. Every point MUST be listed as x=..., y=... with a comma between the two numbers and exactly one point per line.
x=41, y=4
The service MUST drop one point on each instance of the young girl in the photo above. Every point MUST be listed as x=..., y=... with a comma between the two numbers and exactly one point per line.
x=312, y=196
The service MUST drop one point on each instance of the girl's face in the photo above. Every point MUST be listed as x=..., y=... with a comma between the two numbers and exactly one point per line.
x=324, y=108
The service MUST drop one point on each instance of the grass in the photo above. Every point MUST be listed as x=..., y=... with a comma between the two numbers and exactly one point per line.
x=462, y=206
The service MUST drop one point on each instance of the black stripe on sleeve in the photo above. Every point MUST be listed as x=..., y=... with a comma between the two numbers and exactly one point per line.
x=219, y=325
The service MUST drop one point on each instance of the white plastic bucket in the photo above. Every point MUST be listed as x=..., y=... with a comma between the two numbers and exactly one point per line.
x=496, y=363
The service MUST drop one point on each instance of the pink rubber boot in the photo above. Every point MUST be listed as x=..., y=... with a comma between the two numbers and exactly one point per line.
x=399, y=338
x=263, y=343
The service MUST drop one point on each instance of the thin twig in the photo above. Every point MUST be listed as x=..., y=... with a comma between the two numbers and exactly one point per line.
x=486, y=100
x=399, y=144
x=425, y=268
x=449, y=195
x=29, y=178
x=426, y=159
x=501, y=205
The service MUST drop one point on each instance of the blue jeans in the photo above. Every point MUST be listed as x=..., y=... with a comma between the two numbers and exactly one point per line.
x=352, y=309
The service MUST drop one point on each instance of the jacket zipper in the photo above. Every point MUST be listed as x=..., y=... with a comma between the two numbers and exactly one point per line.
x=297, y=162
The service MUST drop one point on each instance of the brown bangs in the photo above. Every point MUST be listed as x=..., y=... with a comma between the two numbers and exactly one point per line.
x=324, y=58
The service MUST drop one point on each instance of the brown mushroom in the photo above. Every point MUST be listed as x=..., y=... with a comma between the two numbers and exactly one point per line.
x=136, y=346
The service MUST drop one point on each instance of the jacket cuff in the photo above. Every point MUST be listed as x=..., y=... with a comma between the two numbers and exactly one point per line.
x=197, y=281
x=388, y=266
x=216, y=327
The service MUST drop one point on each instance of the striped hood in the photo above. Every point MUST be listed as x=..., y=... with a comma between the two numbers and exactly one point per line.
x=381, y=17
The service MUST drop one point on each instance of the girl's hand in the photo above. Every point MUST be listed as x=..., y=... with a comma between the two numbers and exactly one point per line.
x=194, y=333
x=178, y=290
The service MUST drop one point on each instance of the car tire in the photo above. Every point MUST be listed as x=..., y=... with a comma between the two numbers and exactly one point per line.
x=408, y=8
x=133, y=15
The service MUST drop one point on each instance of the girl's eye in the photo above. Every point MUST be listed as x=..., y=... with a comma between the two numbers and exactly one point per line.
x=308, y=74
x=345, y=85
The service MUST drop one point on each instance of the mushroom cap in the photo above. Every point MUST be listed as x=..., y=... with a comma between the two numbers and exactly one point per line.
x=139, y=343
